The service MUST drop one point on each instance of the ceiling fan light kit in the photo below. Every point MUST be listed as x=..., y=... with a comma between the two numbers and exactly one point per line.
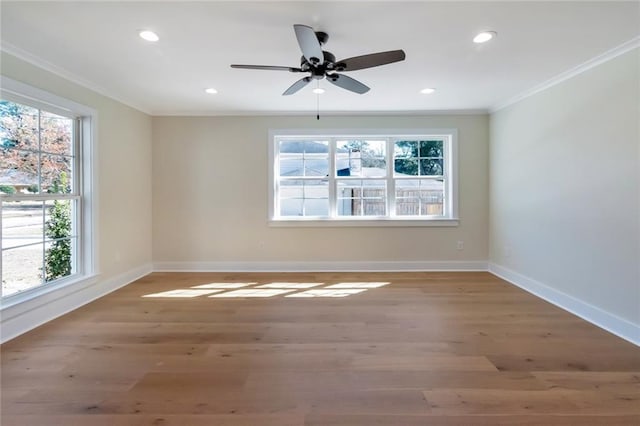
x=321, y=64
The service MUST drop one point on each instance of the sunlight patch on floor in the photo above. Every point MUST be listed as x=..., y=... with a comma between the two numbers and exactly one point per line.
x=328, y=293
x=253, y=289
x=250, y=292
x=289, y=285
x=183, y=292
x=224, y=285
x=358, y=285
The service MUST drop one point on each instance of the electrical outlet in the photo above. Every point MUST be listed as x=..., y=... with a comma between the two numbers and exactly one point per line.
x=507, y=251
x=460, y=245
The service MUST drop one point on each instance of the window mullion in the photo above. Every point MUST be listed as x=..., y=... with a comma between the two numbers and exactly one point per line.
x=333, y=203
x=391, y=183
x=76, y=206
x=446, y=206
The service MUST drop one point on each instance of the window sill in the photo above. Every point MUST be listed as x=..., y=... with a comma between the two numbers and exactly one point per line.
x=40, y=291
x=387, y=222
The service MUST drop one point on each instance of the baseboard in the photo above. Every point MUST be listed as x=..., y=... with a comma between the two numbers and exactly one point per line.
x=355, y=266
x=605, y=320
x=20, y=318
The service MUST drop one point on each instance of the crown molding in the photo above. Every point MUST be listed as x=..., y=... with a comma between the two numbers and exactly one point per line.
x=67, y=75
x=634, y=43
x=410, y=113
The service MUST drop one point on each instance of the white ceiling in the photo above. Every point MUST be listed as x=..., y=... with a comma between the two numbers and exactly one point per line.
x=96, y=43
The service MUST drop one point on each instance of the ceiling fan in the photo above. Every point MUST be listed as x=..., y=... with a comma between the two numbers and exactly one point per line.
x=322, y=64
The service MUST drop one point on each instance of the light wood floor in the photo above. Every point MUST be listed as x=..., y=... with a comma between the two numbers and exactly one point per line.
x=426, y=349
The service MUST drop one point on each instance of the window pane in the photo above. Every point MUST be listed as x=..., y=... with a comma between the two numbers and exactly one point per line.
x=361, y=158
x=405, y=149
x=316, y=147
x=430, y=167
x=316, y=166
x=374, y=162
x=291, y=166
x=21, y=269
x=18, y=171
x=291, y=207
x=408, y=167
x=289, y=147
x=419, y=197
x=431, y=207
x=56, y=174
x=432, y=197
x=374, y=207
x=349, y=188
x=316, y=189
x=361, y=197
x=18, y=126
x=316, y=207
x=304, y=198
x=291, y=189
x=408, y=207
x=22, y=223
x=56, y=134
x=431, y=149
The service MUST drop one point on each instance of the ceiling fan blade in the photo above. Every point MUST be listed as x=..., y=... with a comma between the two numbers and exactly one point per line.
x=347, y=83
x=371, y=60
x=309, y=44
x=297, y=86
x=266, y=67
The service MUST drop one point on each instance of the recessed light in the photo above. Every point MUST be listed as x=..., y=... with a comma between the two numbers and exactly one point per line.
x=427, y=90
x=148, y=35
x=318, y=91
x=211, y=91
x=484, y=36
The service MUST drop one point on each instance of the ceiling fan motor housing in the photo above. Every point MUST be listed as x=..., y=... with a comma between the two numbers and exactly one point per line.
x=320, y=70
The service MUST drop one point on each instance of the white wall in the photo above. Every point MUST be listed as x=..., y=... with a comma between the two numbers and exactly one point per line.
x=565, y=185
x=210, y=177
x=123, y=192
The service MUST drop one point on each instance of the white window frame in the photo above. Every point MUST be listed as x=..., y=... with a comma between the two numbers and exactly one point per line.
x=450, y=136
x=85, y=174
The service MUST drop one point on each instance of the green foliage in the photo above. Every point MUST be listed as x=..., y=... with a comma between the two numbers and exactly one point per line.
x=33, y=189
x=58, y=229
x=7, y=189
x=422, y=158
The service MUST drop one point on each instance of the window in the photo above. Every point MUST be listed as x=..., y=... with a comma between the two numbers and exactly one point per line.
x=45, y=181
x=363, y=178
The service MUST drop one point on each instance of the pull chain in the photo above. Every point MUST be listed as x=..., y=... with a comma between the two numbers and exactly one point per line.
x=317, y=101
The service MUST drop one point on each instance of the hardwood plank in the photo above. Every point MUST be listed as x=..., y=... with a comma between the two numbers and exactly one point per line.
x=453, y=420
x=158, y=420
x=520, y=402
x=307, y=381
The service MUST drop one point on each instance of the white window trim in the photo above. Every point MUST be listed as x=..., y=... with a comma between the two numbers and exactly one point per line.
x=452, y=180
x=88, y=268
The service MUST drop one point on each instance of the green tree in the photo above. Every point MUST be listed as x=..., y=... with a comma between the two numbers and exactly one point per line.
x=418, y=157
x=406, y=161
x=58, y=229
